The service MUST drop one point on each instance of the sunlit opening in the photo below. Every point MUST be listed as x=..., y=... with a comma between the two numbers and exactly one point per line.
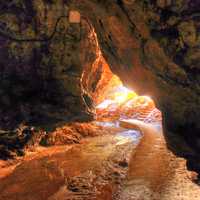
x=122, y=103
x=114, y=101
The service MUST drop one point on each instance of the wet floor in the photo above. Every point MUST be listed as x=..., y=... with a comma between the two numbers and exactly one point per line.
x=130, y=163
x=84, y=171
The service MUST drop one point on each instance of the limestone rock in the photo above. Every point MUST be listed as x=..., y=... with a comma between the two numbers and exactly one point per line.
x=153, y=46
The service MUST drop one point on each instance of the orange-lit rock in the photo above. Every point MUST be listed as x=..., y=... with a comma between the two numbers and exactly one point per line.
x=74, y=16
x=151, y=45
x=72, y=133
x=122, y=103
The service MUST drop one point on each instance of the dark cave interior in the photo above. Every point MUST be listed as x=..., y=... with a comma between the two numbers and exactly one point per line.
x=66, y=65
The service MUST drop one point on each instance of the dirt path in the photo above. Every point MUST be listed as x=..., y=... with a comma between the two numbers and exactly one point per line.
x=154, y=172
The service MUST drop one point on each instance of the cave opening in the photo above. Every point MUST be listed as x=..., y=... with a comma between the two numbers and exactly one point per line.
x=112, y=101
x=117, y=103
x=121, y=103
x=71, y=113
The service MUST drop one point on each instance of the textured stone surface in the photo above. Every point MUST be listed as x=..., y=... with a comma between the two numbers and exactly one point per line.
x=13, y=143
x=41, y=73
x=153, y=46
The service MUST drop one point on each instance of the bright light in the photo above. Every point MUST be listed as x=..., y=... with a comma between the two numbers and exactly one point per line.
x=104, y=104
x=120, y=98
x=117, y=96
x=122, y=95
x=123, y=103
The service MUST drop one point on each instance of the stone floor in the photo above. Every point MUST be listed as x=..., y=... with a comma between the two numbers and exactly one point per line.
x=121, y=165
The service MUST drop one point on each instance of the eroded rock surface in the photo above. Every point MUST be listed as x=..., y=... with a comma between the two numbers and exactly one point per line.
x=93, y=169
x=153, y=46
x=104, y=167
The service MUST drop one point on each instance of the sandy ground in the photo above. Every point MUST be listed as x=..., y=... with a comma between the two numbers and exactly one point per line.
x=108, y=167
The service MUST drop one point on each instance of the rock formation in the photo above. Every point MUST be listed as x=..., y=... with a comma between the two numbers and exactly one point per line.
x=153, y=46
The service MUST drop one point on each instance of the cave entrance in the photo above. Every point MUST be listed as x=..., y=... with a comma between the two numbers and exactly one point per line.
x=121, y=103
x=111, y=100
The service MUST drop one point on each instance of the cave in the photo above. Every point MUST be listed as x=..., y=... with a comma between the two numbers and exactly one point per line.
x=105, y=95
x=107, y=98
x=100, y=99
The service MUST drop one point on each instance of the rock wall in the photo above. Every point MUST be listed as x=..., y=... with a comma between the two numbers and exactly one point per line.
x=42, y=60
x=153, y=46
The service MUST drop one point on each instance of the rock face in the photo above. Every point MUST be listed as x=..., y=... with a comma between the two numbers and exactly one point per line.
x=153, y=46
x=43, y=57
x=13, y=143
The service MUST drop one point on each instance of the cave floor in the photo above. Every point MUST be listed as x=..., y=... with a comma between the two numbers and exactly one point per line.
x=115, y=166
x=155, y=173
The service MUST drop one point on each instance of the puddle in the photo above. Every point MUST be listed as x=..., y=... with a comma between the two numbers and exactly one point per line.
x=114, y=124
x=131, y=135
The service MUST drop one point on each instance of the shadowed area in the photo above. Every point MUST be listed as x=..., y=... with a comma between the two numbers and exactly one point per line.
x=84, y=171
x=96, y=96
